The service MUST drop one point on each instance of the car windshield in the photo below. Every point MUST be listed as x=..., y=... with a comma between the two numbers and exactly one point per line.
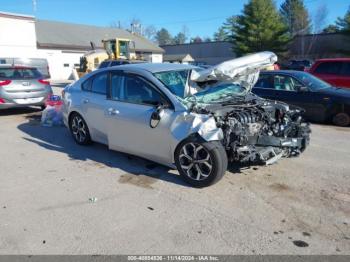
x=219, y=92
x=175, y=81
x=19, y=73
x=312, y=82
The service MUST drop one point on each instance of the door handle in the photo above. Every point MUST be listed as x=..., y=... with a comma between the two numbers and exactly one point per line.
x=112, y=111
x=85, y=101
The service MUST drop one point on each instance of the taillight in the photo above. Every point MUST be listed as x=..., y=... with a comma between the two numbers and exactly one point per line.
x=44, y=82
x=2, y=101
x=5, y=82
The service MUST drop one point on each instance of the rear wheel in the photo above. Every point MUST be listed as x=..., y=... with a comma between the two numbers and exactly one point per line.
x=341, y=119
x=201, y=163
x=79, y=129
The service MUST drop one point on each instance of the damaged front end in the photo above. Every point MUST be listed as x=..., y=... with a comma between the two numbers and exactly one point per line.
x=260, y=130
x=254, y=129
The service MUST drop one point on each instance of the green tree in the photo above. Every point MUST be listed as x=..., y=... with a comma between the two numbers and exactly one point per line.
x=163, y=37
x=344, y=22
x=296, y=16
x=196, y=39
x=220, y=35
x=331, y=29
x=260, y=28
x=207, y=39
x=229, y=26
x=180, y=38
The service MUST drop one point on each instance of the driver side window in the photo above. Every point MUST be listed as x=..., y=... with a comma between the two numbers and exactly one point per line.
x=138, y=91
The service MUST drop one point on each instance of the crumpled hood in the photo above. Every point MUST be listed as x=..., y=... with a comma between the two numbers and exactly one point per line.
x=243, y=71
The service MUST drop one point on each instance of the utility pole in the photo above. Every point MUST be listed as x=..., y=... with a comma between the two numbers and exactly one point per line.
x=34, y=6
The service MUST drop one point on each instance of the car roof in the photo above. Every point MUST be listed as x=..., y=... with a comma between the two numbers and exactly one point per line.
x=286, y=72
x=341, y=59
x=157, y=67
x=7, y=66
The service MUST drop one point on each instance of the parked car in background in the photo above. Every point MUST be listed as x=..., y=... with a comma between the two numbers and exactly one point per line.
x=321, y=101
x=335, y=71
x=109, y=63
x=40, y=63
x=299, y=65
x=153, y=111
x=22, y=86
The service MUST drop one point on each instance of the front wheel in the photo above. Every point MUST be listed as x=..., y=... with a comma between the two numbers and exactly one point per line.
x=79, y=129
x=201, y=163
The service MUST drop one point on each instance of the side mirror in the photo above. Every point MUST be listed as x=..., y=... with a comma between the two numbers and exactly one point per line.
x=302, y=89
x=157, y=116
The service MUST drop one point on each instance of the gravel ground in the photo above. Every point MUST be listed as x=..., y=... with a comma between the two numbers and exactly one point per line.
x=60, y=198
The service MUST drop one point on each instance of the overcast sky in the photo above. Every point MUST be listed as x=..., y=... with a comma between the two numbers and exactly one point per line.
x=202, y=17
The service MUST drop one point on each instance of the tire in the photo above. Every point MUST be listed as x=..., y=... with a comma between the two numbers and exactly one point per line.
x=210, y=162
x=341, y=119
x=79, y=129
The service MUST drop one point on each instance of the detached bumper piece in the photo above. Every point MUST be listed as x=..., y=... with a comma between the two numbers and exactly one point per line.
x=289, y=142
x=269, y=149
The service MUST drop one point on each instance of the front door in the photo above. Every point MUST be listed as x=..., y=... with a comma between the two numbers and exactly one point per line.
x=128, y=114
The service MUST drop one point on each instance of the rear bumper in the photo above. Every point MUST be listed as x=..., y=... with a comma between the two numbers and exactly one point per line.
x=24, y=99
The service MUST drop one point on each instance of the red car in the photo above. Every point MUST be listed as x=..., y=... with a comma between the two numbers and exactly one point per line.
x=335, y=71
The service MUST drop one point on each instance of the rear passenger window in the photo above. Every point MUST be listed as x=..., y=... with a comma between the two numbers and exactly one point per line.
x=332, y=68
x=103, y=64
x=265, y=81
x=99, y=84
x=116, y=63
x=86, y=85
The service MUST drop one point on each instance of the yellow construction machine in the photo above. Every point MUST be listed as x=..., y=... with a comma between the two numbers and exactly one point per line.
x=114, y=49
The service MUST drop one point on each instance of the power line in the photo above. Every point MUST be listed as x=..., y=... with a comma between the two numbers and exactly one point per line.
x=192, y=21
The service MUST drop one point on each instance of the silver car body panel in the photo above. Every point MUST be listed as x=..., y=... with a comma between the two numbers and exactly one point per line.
x=125, y=126
x=22, y=93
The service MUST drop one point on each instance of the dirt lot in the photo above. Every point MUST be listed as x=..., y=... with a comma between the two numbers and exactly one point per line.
x=57, y=197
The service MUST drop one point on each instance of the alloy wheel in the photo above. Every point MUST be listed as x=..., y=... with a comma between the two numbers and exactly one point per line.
x=79, y=129
x=195, y=161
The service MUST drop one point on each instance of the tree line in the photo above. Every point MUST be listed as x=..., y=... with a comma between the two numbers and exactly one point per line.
x=260, y=26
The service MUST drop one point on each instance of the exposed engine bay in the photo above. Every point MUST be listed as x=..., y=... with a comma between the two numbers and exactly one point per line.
x=259, y=130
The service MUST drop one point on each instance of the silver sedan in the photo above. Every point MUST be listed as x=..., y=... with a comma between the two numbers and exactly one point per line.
x=157, y=112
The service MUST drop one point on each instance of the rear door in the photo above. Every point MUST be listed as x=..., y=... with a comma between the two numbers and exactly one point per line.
x=93, y=99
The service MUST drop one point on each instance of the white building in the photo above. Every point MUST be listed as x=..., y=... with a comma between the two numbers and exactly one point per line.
x=62, y=44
